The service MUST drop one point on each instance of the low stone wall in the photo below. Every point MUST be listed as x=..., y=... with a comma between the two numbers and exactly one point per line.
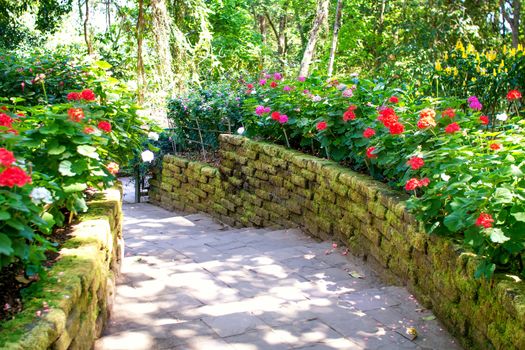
x=259, y=184
x=68, y=309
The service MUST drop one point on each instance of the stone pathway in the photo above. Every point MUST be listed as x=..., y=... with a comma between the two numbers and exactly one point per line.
x=191, y=283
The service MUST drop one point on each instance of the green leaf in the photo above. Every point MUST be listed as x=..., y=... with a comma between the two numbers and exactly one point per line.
x=55, y=150
x=519, y=216
x=88, y=151
x=5, y=245
x=497, y=236
x=76, y=187
x=49, y=219
x=64, y=168
x=4, y=215
x=103, y=64
x=502, y=196
x=455, y=221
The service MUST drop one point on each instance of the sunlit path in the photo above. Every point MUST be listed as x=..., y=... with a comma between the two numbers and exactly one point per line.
x=191, y=283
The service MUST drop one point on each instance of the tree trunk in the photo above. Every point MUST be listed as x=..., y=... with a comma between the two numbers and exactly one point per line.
x=322, y=13
x=87, y=36
x=337, y=26
x=162, y=32
x=513, y=21
x=140, y=62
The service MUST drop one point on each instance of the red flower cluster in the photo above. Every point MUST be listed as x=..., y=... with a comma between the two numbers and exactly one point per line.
x=321, y=126
x=273, y=84
x=449, y=112
x=387, y=116
x=276, y=115
x=414, y=183
x=14, y=176
x=104, y=126
x=396, y=128
x=75, y=114
x=484, y=120
x=393, y=99
x=484, y=220
x=416, y=162
x=370, y=152
x=452, y=128
x=368, y=133
x=89, y=130
x=426, y=118
x=349, y=114
x=249, y=86
x=495, y=146
x=6, y=157
x=7, y=121
x=86, y=95
x=513, y=95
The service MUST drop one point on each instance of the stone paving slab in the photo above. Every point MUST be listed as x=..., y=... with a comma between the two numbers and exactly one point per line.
x=190, y=283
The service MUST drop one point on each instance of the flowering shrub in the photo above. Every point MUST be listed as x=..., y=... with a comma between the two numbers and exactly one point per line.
x=51, y=154
x=466, y=179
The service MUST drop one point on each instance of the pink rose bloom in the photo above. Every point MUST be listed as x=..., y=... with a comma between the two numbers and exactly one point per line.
x=301, y=79
x=277, y=76
x=287, y=88
x=259, y=110
x=262, y=82
x=348, y=93
x=267, y=109
x=283, y=118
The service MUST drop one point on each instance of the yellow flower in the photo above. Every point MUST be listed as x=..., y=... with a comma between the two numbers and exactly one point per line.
x=520, y=47
x=494, y=73
x=502, y=64
x=473, y=79
x=504, y=49
x=438, y=66
x=459, y=46
x=512, y=52
x=446, y=55
x=464, y=55
x=471, y=48
x=448, y=70
x=456, y=72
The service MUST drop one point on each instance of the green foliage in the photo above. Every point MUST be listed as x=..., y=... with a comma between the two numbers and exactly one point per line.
x=204, y=112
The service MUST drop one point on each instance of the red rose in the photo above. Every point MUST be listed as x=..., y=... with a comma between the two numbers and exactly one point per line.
x=370, y=152
x=321, y=126
x=14, y=176
x=104, y=126
x=484, y=120
x=393, y=99
x=452, y=128
x=249, y=86
x=6, y=157
x=87, y=95
x=348, y=115
x=484, y=220
x=273, y=84
x=449, y=112
x=276, y=115
x=73, y=96
x=368, y=133
x=396, y=128
x=416, y=162
x=513, y=95
x=75, y=114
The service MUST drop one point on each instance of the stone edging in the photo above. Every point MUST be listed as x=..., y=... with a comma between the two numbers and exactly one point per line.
x=79, y=288
x=260, y=184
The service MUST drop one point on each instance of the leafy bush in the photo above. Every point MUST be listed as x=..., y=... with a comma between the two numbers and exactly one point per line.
x=63, y=148
x=203, y=113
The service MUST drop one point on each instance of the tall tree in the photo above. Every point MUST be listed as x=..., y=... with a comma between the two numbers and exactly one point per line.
x=141, y=80
x=335, y=34
x=511, y=12
x=320, y=18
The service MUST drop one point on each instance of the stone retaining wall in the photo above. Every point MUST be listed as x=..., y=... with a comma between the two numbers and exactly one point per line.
x=68, y=309
x=259, y=184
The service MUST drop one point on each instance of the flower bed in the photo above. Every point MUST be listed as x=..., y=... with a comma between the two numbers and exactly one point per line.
x=259, y=184
x=67, y=309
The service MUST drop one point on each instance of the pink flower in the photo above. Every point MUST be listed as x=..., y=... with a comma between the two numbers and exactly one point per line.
x=259, y=110
x=283, y=118
x=262, y=82
x=301, y=79
x=348, y=93
x=277, y=76
x=474, y=103
x=267, y=109
x=287, y=88
x=414, y=183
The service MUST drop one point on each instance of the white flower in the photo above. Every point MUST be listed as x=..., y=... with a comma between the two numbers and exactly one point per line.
x=316, y=98
x=153, y=136
x=41, y=195
x=253, y=92
x=147, y=156
x=502, y=116
x=240, y=131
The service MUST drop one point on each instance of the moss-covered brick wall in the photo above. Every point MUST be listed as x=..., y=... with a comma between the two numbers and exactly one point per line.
x=259, y=184
x=69, y=307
